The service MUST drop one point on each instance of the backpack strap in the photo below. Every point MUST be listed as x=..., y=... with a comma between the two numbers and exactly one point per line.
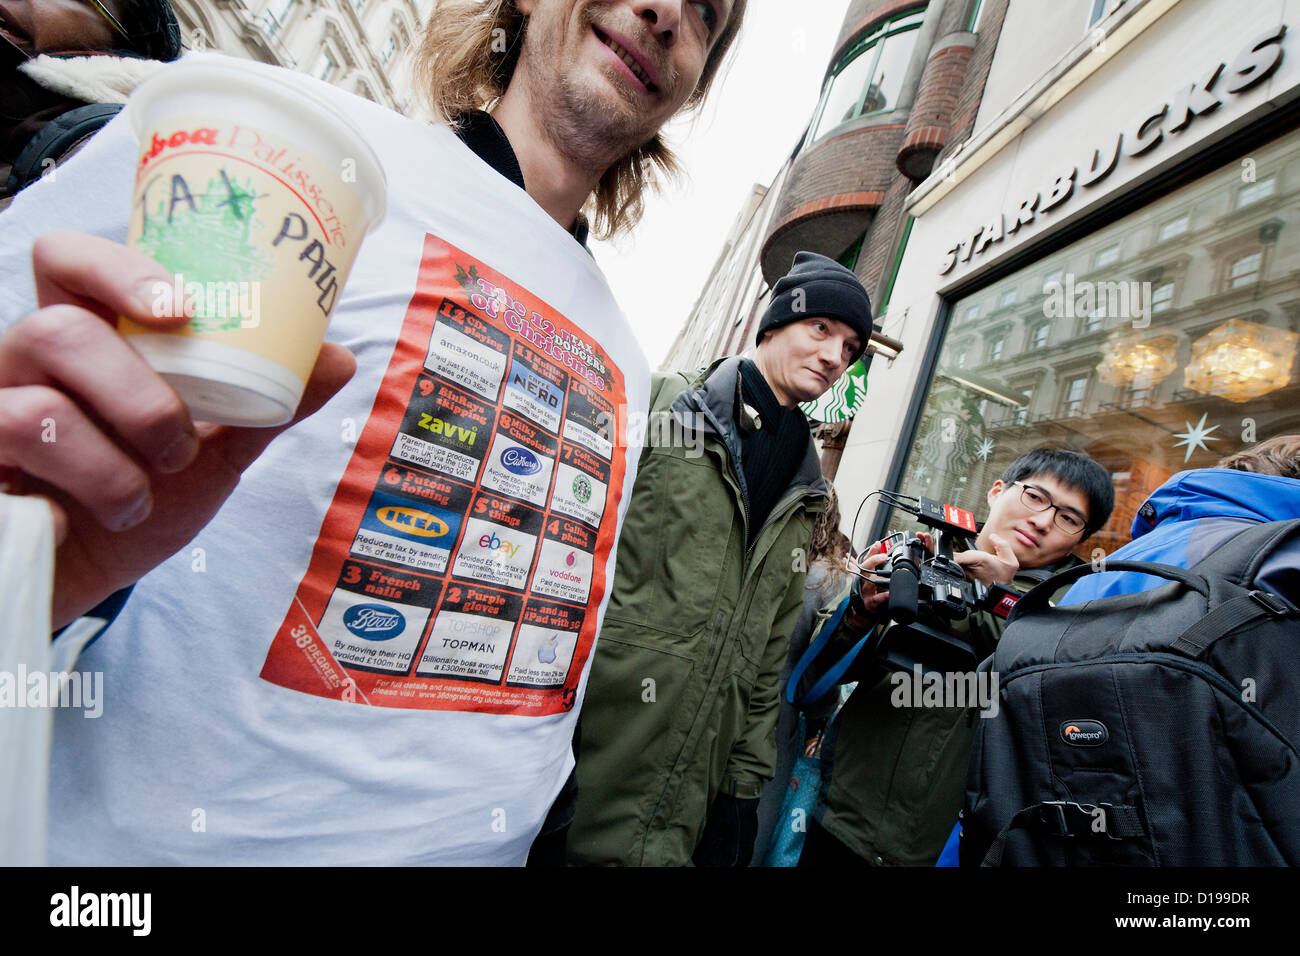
x=1226, y=618
x=1064, y=818
x=55, y=139
x=1041, y=593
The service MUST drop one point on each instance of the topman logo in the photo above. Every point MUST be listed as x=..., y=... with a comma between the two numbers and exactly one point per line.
x=1084, y=733
x=102, y=909
x=374, y=622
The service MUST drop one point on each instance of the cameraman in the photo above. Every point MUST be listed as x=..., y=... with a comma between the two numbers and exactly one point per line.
x=893, y=776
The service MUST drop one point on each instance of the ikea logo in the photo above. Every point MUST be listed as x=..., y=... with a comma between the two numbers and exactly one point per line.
x=412, y=521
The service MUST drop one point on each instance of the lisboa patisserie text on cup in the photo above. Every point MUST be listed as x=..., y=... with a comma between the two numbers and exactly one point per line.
x=256, y=193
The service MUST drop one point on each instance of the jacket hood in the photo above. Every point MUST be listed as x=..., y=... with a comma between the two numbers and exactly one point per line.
x=1219, y=492
x=102, y=78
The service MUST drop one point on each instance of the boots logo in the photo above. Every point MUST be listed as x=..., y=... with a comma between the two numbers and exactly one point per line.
x=374, y=622
x=1084, y=733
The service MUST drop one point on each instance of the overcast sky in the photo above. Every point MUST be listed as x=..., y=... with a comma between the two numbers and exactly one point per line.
x=744, y=133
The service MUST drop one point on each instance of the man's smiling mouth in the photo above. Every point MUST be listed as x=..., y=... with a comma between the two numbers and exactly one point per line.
x=628, y=59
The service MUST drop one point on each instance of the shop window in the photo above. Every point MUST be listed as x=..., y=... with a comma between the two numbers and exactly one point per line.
x=1173, y=228
x=1107, y=256
x=1196, y=371
x=1254, y=192
x=1244, y=271
x=869, y=78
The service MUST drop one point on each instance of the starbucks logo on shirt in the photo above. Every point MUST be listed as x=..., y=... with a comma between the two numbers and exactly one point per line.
x=582, y=489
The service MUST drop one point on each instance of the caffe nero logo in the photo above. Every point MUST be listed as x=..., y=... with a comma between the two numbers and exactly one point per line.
x=374, y=622
x=1084, y=733
x=520, y=461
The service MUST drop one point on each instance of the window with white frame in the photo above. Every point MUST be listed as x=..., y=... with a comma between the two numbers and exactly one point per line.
x=390, y=47
x=1162, y=297
x=972, y=313
x=1254, y=192
x=328, y=66
x=1007, y=298
x=1072, y=396
x=1174, y=227
x=1107, y=256
x=1244, y=271
x=995, y=347
x=1093, y=321
x=1038, y=336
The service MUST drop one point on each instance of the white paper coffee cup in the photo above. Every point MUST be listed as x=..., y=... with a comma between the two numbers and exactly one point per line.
x=256, y=193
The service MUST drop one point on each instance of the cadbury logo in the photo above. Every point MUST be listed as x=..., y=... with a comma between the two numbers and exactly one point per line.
x=520, y=461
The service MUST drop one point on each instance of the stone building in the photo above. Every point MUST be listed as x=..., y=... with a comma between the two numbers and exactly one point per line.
x=363, y=46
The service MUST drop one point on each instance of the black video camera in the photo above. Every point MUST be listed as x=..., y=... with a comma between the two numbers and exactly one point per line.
x=926, y=590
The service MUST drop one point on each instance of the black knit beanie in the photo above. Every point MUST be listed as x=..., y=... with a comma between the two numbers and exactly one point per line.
x=818, y=286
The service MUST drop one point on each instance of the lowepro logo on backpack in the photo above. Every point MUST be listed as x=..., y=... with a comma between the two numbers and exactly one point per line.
x=1084, y=733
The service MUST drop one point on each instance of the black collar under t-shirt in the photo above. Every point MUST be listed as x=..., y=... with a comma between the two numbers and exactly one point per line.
x=488, y=141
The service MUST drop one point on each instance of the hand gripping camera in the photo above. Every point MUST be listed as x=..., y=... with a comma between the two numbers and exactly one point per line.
x=927, y=589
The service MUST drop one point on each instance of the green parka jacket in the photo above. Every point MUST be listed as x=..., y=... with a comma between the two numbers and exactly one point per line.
x=682, y=698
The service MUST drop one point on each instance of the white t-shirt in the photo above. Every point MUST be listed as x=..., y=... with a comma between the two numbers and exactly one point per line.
x=372, y=655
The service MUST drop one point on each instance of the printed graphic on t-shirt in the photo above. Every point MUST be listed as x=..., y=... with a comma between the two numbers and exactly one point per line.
x=463, y=558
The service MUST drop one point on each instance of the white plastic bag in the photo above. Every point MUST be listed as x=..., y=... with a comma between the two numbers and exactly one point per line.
x=26, y=584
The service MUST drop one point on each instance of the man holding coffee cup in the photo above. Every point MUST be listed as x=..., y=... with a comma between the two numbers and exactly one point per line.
x=438, y=546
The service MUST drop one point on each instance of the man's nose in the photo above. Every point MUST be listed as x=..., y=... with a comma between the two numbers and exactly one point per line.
x=1042, y=520
x=663, y=17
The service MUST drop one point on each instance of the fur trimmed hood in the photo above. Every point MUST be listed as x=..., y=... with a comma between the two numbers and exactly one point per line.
x=94, y=79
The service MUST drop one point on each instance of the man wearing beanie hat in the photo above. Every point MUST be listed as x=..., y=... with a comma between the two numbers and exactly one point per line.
x=65, y=71
x=677, y=733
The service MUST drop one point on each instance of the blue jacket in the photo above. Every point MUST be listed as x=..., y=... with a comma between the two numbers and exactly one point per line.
x=1193, y=513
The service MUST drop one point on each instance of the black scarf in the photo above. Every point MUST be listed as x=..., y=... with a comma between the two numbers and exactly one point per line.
x=771, y=455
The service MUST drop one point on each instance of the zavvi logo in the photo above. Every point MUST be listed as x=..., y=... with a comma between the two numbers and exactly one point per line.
x=520, y=461
x=1084, y=733
x=374, y=622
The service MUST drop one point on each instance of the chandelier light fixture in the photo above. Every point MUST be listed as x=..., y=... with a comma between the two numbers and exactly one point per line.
x=1137, y=360
x=1241, y=361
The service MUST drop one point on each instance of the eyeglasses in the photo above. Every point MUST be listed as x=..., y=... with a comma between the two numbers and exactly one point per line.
x=1035, y=499
x=98, y=5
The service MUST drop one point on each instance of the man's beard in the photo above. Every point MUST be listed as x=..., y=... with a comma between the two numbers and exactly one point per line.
x=581, y=123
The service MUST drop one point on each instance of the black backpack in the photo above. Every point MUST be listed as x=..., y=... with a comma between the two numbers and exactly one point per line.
x=1150, y=729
